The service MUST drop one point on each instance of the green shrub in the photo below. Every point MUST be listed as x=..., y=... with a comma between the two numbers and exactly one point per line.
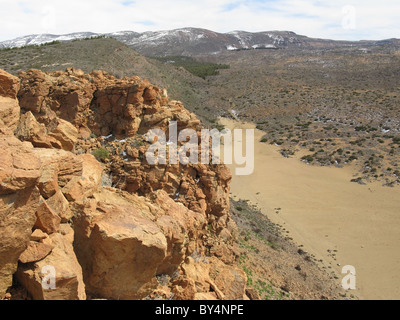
x=101, y=154
x=200, y=69
x=308, y=158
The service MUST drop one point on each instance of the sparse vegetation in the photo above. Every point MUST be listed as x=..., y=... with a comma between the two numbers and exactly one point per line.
x=340, y=119
x=101, y=154
x=266, y=246
x=199, y=69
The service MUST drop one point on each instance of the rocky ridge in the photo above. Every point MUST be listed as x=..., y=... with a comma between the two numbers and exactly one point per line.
x=112, y=227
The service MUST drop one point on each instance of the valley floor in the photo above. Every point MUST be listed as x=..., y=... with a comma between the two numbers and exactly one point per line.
x=338, y=222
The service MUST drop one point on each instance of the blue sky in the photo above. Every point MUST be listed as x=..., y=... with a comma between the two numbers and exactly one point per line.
x=340, y=19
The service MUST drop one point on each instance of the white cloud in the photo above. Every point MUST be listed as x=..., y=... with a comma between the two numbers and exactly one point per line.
x=313, y=18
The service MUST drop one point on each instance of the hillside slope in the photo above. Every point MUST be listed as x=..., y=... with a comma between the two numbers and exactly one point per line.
x=105, y=54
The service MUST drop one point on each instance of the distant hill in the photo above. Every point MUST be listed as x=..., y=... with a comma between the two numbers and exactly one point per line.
x=195, y=41
x=109, y=55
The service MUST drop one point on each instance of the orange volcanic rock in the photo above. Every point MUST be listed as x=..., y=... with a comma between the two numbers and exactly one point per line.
x=114, y=225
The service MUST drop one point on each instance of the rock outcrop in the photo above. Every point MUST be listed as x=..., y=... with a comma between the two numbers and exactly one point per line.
x=20, y=170
x=114, y=227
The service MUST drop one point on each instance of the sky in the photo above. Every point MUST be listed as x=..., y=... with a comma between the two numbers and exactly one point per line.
x=333, y=19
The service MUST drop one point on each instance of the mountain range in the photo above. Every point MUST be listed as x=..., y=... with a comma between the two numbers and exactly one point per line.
x=195, y=41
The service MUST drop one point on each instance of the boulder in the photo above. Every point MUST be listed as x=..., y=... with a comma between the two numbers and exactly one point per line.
x=38, y=235
x=19, y=200
x=68, y=280
x=17, y=216
x=184, y=289
x=59, y=167
x=48, y=182
x=84, y=186
x=66, y=134
x=35, y=87
x=9, y=112
x=36, y=251
x=60, y=205
x=120, y=249
x=47, y=220
x=19, y=166
x=231, y=280
x=29, y=129
x=9, y=85
x=181, y=227
x=225, y=281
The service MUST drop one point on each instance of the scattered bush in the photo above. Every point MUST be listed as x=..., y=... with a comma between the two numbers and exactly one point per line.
x=200, y=69
x=101, y=154
x=308, y=158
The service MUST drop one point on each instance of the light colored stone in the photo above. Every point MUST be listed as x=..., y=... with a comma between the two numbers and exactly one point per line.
x=119, y=247
x=60, y=205
x=36, y=251
x=9, y=85
x=69, y=280
x=19, y=167
x=66, y=133
x=231, y=280
x=65, y=164
x=84, y=186
x=19, y=199
x=48, y=182
x=17, y=216
x=47, y=220
x=29, y=129
x=9, y=112
x=38, y=235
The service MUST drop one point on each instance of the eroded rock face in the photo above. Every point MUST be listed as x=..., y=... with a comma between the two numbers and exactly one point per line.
x=19, y=167
x=46, y=219
x=68, y=280
x=66, y=134
x=19, y=199
x=166, y=222
x=123, y=241
x=36, y=251
x=17, y=216
x=51, y=244
x=9, y=112
x=29, y=129
x=9, y=85
x=122, y=253
x=58, y=169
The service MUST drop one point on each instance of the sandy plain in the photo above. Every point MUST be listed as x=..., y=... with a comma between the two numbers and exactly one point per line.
x=339, y=222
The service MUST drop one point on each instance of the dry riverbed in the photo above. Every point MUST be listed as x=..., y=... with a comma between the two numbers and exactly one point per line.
x=339, y=222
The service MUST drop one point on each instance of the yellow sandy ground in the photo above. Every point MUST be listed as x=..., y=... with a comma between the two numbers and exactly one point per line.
x=324, y=211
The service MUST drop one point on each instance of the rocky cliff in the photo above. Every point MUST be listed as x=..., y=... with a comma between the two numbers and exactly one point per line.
x=78, y=197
